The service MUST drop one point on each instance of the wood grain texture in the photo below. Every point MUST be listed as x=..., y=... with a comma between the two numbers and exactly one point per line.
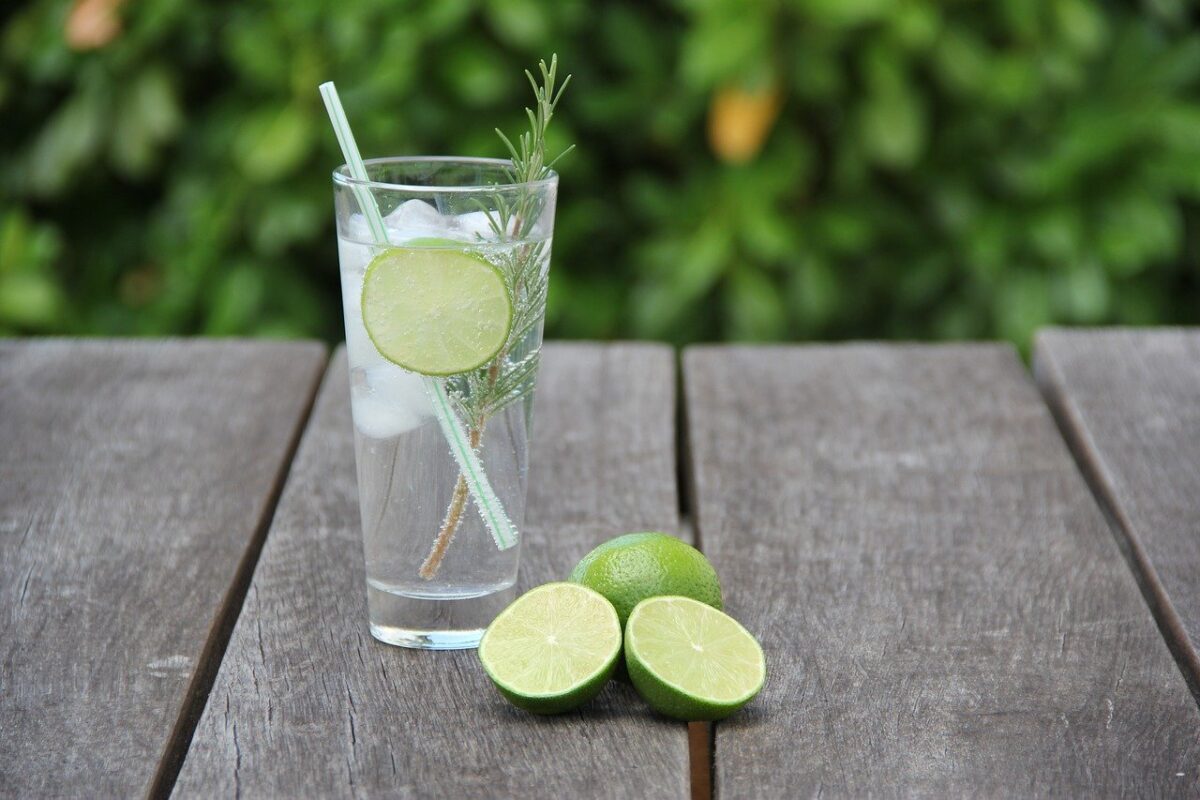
x=134, y=479
x=943, y=608
x=1129, y=403
x=308, y=704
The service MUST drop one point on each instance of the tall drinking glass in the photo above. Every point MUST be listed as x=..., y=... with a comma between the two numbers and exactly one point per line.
x=440, y=561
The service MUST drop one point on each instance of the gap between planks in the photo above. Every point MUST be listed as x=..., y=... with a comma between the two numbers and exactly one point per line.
x=1166, y=618
x=700, y=758
x=702, y=763
x=701, y=735
x=205, y=675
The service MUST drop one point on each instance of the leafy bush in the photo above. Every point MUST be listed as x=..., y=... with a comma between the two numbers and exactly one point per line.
x=745, y=170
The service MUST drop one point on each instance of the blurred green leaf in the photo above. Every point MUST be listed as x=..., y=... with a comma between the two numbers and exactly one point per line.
x=236, y=301
x=445, y=16
x=1013, y=81
x=1057, y=234
x=916, y=24
x=846, y=13
x=725, y=46
x=704, y=257
x=892, y=126
x=1022, y=305
x=285, y=222
x=519, y=23
x=656, y=309
x=33, y=39
x=841, y=229
x=962, y=60
x=1081, y=25
x=71, y=138
x=1136, y=230
x=29, y=300
x=147, y=116
x=814, y=293
x=754, y=307
x=1082, y=293
x=256, y=48
x=921, y=282
x=25, y=246
x=30, y=296
x=273, y=142
x=471, y=72
x=766, y=235
x=816, y=73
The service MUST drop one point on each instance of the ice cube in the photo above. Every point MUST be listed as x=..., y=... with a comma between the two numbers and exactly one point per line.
x=360, y=350
x=357, y=229
x=476, y=225
x=387, y=401
x=414, y=219
x=354, y=259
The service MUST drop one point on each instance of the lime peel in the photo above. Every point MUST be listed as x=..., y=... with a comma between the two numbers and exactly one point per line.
x=633, y=567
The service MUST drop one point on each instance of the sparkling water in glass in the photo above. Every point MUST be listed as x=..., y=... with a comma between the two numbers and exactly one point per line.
x=435, y=575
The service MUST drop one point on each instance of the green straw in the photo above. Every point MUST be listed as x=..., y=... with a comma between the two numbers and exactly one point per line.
x=358, y=170
x=490, y=508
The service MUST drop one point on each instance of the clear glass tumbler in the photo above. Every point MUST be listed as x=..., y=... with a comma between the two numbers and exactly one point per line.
x=436, y=573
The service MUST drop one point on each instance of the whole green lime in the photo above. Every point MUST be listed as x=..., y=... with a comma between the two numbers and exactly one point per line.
x=633, y=567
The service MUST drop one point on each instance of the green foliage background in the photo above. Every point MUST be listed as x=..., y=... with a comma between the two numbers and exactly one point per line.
x=938, y=169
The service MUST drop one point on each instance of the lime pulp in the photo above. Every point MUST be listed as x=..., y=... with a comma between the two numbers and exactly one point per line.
x=553, y=648
x=435, y=311
x=691, y=661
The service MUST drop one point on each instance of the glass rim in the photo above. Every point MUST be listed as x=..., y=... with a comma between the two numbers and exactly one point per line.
x=341, y=175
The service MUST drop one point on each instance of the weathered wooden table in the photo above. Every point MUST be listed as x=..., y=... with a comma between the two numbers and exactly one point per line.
x=956, y=595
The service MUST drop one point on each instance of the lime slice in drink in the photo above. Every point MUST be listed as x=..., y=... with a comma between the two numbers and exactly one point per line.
x=435, y=311
x=690, y=661
x=553, y=649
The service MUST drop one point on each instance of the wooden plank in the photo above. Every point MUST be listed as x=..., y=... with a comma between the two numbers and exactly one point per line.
x=1128, y=401
x=136, y=480
x=307, y=704
x=943, y=608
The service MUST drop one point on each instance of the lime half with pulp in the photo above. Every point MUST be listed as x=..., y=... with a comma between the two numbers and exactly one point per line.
x=553, y=649
x=690, y=661
x=435, y=311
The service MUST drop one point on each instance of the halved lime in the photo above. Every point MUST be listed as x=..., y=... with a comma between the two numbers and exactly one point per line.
x=435, y=311
x=690, y=661
x=553, y=649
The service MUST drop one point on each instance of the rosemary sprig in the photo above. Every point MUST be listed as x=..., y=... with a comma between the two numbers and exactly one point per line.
x=529, y=159
x=496, y=385
x=482, y=393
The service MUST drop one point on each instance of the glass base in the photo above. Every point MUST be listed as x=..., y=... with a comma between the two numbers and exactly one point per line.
x=432, y=622
x=427, y=640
